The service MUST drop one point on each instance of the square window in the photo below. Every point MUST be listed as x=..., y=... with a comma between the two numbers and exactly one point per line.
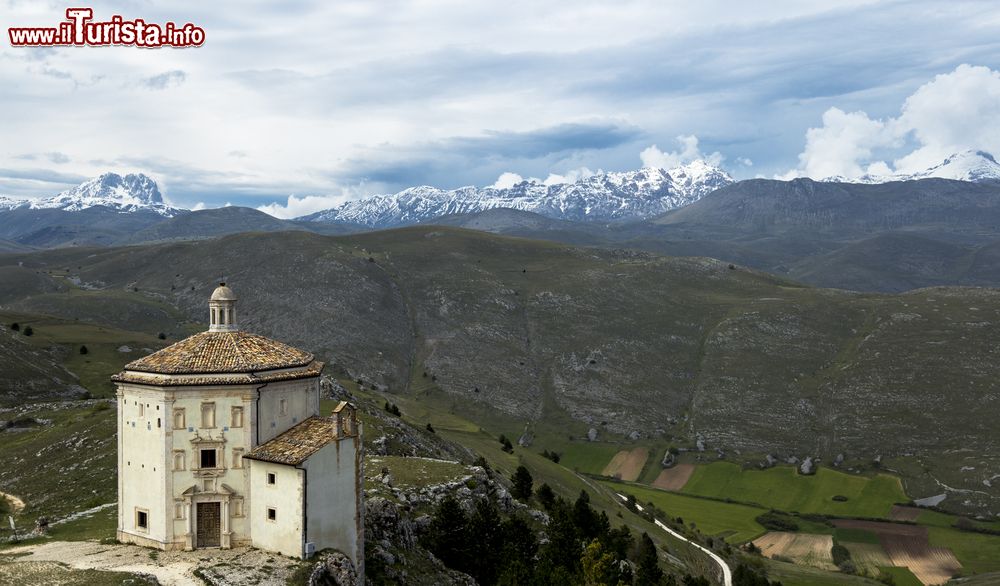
x=208, y=458
x=141, y=519
x=270, y=477
x=272, y=514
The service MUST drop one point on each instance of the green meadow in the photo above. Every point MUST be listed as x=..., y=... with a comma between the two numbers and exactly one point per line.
x=784, y=489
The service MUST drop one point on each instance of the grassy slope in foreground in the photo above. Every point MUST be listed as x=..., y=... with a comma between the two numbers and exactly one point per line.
x=784, y=489
x=736, y=522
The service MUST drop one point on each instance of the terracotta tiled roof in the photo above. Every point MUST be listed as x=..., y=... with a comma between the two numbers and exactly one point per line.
x=313, y=369
x=298, y=443
x=221, y=352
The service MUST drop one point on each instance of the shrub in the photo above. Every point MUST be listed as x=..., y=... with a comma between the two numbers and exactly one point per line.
x=15, y=326
x=161, y=336
x=430, y=427
x=83, y=350
x=28, y=331
x=840, y=498
x=840, y=554
x=777, y=522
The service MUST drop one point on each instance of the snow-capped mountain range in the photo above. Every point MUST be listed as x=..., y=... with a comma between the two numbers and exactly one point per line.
x=604, y=196
x=970, y=165
x=126, y=194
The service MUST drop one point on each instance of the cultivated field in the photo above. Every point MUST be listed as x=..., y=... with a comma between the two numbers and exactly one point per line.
x=674, y=478
x=627, y=464
x=908, y=546
x=783, y=488
x=803, y=548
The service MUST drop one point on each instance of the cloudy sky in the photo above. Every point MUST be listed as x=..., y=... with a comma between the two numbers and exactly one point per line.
x=298, y=106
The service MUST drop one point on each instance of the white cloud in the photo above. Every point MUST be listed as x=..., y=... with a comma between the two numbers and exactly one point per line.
x=302, y=206
x=571, y=176
x=198, y=206
x=652, y=156
x=744, y=161
x=507, y=180
x=842, y=144
x=953, y=112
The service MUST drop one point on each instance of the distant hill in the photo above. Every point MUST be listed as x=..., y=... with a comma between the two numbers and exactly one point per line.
x=210, y=224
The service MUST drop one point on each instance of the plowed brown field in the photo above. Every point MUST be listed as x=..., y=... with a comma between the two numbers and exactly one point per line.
x=908, y=546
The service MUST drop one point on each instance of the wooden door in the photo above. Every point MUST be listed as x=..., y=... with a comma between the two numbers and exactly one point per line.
x=209, y=524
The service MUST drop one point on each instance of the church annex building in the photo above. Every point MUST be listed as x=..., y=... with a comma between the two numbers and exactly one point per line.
x=221, y=444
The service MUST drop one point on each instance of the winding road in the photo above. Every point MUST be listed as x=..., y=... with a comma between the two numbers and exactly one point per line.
x=727, y=574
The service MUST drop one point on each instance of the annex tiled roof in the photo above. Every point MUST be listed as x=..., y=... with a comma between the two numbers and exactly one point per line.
x=221, y=352
x=298, y=443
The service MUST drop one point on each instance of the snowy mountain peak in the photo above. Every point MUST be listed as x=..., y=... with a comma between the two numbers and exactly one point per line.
x=603, y=196
x=125, y=194
x=969, y=165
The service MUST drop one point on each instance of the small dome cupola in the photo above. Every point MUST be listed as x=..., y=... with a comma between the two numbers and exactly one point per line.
x=222, y=310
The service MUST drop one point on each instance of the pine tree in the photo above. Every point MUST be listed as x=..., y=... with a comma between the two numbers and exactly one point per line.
x=522, y=484
x=448, y=534
x=486, y=535
x=648, y=572
x=546, y=496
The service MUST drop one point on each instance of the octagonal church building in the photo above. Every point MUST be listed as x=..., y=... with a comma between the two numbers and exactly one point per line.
x=221, y=444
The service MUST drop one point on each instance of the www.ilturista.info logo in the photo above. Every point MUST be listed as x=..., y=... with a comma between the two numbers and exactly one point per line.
x=80, y=30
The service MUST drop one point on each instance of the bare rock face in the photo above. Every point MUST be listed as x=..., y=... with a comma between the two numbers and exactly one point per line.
x=669, y=460
x=592, y=434
x=334, y=569
x=808, y=467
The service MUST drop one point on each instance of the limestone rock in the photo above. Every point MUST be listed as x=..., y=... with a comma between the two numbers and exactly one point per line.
x=592, y=434
x=334, y=569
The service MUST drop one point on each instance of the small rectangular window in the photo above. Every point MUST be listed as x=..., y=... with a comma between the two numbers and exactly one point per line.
x=142, y=410
x=237, y=457
x=179, y=422
x=272, y=514
x=141, y=519
x=270, y=477
x=178, y=511
x=208, y=415
x=178, y=459
x=283, y=407
x=237, y=507
x=208, y=458
x=236, y=418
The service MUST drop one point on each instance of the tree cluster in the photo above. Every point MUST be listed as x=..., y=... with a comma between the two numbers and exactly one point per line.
x=582, y=548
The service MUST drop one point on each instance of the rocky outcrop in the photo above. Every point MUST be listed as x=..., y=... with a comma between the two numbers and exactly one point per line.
x=334, y=569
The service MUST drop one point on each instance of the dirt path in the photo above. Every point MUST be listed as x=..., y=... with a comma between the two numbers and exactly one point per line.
x=16, y=504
